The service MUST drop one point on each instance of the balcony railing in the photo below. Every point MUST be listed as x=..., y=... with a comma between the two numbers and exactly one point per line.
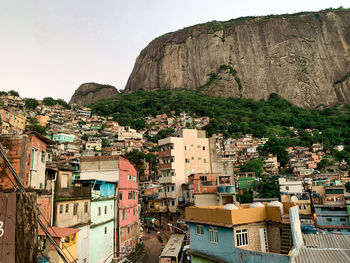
x=164, y=166
x=164, y=153
x=166, y=179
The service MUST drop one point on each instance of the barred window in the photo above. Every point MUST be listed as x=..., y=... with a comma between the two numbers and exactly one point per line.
x=242, y=237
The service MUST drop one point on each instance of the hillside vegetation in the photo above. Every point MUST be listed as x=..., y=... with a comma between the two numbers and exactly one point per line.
x=235, y=117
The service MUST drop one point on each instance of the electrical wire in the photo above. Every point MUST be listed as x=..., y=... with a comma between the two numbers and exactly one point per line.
x=74, y=260
x=23, y=190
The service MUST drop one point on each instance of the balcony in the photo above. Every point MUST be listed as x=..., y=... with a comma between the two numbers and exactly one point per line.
x=167, y=195
x=73, y=192
x=165, y=166
x=166, y=179
x=164, y=153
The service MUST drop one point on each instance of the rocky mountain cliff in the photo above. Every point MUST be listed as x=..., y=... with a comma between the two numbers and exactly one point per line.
x=88, y=93
x=304, y=57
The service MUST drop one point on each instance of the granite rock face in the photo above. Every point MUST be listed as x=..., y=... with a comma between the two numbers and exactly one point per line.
x=88, y=93
x=305, y=58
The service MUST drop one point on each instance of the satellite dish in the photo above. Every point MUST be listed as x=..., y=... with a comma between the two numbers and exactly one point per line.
x=294, y=199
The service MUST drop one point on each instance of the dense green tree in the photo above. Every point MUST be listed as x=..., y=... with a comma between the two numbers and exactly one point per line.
x=162, y=134
x=235, y=116
x=276, y=147
x=105, y=142
x=135, y=157
x=48, y=101
x=3, y=93
x=246, y=197
x=33, y=125
x=30, y=103
x=63, y=103
x=347, y=186
x=85, y=137
x=268, y=187
x=254, y=165
x=13, y=93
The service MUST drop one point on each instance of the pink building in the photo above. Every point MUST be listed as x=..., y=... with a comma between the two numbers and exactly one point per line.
x=128, y=200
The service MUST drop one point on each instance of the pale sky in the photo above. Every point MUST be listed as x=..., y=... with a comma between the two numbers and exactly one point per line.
x=49, y=48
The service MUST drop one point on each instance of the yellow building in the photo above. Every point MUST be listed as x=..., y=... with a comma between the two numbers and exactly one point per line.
x=12, y=121
x=65, y=238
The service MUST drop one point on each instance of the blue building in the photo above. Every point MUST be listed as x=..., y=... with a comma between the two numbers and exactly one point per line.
x=63, y=137
x=243, y=234
x=333, y=215
x=333, y=218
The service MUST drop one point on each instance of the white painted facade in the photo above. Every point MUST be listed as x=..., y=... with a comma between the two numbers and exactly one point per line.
x=290, y=186
x=83, y=244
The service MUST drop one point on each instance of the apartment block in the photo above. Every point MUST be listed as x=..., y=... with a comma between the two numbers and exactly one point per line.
x=180, y=155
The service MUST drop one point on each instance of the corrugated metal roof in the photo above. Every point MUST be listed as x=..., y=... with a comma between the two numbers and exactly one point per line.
x=324, y=249
x=313, y=255
x=327, y=241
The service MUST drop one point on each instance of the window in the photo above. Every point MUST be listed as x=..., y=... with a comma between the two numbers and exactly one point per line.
x=173, y=188
x=99, y=211
x=192, y=158
x=302, y=207
x=105, y=209
x=173, y=203
x=61, y=209
x=130, y=177
x=123, y=214
x=204, y=148
x=134, y=178
x=130, y=195
x=67, y=208
x=213, y=234
x=128, y=230
x=86, y=207
x=42, y=156
x=134, y=211
x=204, y=160
x=34, y=162
x=287, y=188
x=187, y=160
x=121, y=196
x=200, y=230
x=75, y=209
x=242, y=237
x=342, y=220
x=186, y=148
x=329, y=219
x=105, y=230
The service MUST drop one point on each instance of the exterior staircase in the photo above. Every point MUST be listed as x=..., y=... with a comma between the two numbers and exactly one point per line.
x=286, y=239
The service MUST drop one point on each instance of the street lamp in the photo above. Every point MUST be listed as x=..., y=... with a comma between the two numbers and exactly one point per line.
x=183, y=231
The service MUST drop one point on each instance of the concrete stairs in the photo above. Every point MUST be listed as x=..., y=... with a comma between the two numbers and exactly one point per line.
x=286, y=239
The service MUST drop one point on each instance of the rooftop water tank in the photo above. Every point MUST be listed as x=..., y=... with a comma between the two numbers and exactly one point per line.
x=256, y=204
x=276, y=204
x=230, y=207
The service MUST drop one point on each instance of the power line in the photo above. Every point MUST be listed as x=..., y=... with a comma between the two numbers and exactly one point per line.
x=56, y=235
x=23, y=190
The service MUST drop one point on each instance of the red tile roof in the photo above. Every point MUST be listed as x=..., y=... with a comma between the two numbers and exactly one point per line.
x=59, y=231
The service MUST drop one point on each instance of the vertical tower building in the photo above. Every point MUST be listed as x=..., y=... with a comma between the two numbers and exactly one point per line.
x=185, y=153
